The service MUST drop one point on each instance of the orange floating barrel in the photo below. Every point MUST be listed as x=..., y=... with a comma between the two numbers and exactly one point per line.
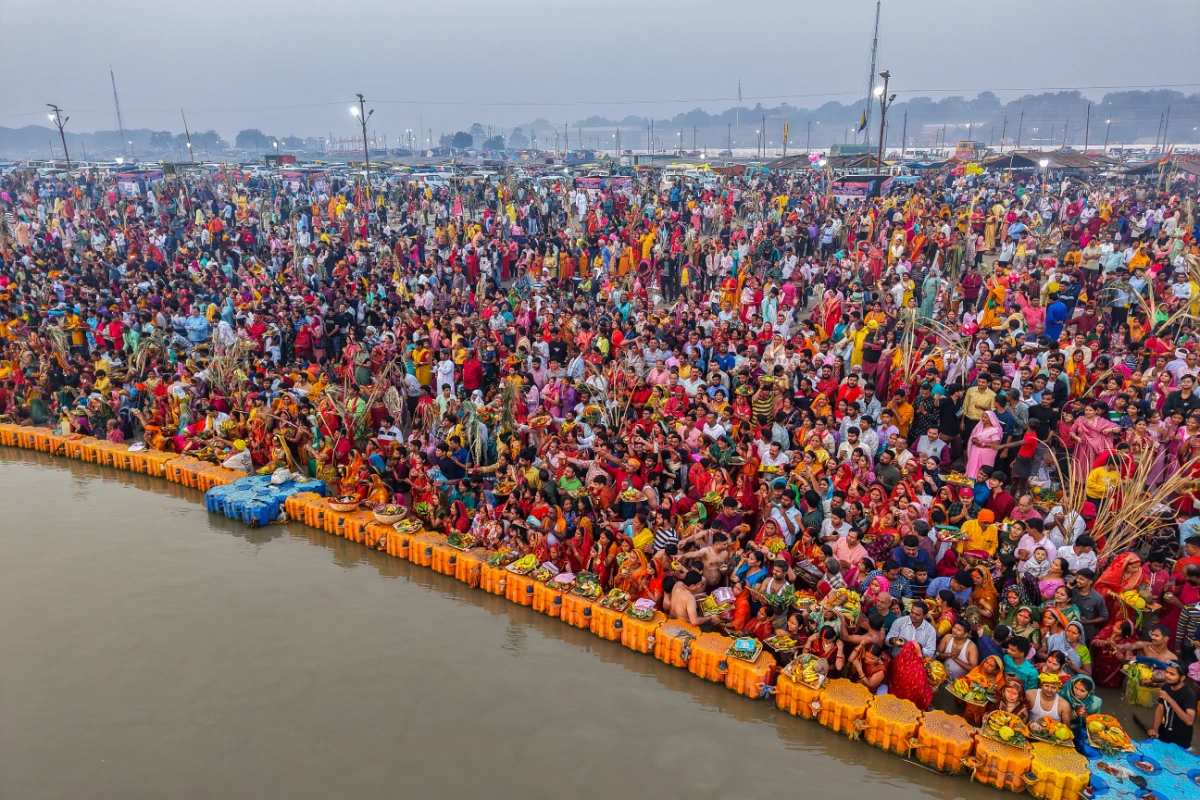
x=607, y=623
x=843, y=705
x=671, y=641
x=944, y=741
x=27, y=438
x=9, y=434
x=493, y=579
x=118, y=457
x=1001, y=765
x=375, y=531
x=708, y=657
x=519, y=589
x=355, y=525
x=73, y=448
x=294, y=505
x=56, y=442
x=332, y=521
x=576, y=610
x=445, y=559
x=892, y=723
x=137, y=459
x=400, y=544
x=641, y=634
x=747, y=678
x=795, y=697
x=420, y=550
x=547, y=599
x=468, y=566
x=91, y=450
x=1057, y=773
x=156, y=462
x=315, y=511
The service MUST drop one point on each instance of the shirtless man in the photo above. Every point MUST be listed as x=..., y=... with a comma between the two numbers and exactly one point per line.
x=714, y=560
x=683, y=599
x=1044, y=701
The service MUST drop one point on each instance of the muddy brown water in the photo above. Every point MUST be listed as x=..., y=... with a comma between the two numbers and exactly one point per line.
x=149, y=649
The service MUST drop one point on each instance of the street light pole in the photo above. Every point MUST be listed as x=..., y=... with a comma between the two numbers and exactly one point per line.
x=363, y=115
x=883, y=106
x=59, y=123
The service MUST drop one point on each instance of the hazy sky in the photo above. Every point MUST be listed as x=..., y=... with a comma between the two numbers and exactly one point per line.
x=294, y=67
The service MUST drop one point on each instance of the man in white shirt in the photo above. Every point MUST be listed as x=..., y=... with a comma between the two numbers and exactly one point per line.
x=914, y=628
x=772, y=456
x=834, y=526
x=1063, y=527
x=1081, y=554
x=788, y=517
x=712, y=427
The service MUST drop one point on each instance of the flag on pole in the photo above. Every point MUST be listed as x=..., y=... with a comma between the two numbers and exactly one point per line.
x=862, y=123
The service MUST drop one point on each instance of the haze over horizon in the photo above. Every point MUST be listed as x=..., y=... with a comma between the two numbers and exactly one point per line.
x=241, y=65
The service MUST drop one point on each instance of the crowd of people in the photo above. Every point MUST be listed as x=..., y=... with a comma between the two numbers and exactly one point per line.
x=886, y=431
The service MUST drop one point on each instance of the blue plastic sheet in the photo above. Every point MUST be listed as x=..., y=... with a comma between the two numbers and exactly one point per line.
x=1173, y=776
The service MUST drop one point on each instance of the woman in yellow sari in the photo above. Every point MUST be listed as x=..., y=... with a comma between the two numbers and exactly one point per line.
x=625, y=262
x=993, y=306
x=631, y=568
x=990, y=229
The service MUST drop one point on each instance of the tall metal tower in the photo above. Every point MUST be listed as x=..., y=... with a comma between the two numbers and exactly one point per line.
x=117, y=105
x=871, y=75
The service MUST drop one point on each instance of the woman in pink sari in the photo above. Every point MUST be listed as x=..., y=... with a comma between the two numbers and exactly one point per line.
x=1091, y=435
x=1164, y=384
x=981, y=448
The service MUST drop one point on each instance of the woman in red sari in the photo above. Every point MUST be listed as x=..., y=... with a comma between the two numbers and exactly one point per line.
x=828, y=313
x=579, y=547
x=762, y=626
x=907, y=679
x=1111, y=650
x=826, y=644
x=1123, y=574
x=598, y=560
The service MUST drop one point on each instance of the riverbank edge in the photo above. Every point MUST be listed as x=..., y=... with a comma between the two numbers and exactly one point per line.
x=837, y=706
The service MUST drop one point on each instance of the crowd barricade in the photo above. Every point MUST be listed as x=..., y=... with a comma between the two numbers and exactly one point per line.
x=942, y=741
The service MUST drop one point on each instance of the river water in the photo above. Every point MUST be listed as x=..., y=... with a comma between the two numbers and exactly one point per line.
x=151, y=649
